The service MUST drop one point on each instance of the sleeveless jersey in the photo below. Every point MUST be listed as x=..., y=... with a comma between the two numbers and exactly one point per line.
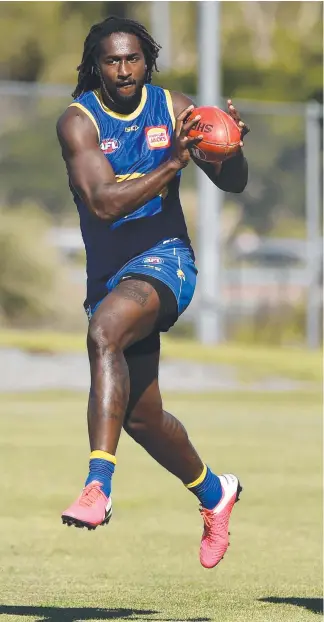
x=134, y=145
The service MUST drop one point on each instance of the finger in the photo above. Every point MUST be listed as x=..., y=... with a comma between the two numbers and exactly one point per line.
x=187, y=126
x=232, y=111
x=181, y=117
x=234, y=114
x=188, y=140
x=244, y=129
x=193, y=141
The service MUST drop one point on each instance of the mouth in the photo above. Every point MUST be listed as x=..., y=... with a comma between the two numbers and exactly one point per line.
x=125, y=87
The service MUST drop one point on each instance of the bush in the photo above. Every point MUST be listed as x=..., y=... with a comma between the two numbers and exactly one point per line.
x=32, y=277
x=282, y=326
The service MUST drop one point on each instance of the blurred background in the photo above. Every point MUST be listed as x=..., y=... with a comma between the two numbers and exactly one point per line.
x=259, y=253
x=242, y=369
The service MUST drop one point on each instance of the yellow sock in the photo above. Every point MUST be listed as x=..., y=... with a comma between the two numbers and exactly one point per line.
x=103, y=455
x=199, y=479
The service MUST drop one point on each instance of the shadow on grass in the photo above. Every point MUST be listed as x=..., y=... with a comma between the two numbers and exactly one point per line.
x=78, y=614
x=311, y=604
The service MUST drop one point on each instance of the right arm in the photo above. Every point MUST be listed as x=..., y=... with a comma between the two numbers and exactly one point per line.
x=93, y=178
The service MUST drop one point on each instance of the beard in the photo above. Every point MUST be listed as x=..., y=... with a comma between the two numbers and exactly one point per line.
x=124, y=103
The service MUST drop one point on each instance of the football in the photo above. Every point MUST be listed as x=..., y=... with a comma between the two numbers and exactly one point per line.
x=221, y=135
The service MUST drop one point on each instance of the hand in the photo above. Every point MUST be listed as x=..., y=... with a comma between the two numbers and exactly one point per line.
x=236, y=116
x=182, y=142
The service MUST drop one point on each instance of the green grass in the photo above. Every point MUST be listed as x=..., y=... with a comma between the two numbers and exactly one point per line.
x=144, y=565
x=252, y=362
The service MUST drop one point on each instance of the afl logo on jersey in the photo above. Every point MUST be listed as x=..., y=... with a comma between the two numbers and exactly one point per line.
x=157, y=137
x=109, y=145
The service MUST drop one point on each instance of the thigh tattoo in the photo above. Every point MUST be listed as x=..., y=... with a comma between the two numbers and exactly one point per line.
x=139, y=291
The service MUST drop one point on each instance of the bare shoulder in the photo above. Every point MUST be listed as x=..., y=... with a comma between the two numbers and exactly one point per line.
x=75, y=127
x=180, y=102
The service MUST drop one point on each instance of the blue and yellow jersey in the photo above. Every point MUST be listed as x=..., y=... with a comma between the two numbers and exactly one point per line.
x=135, y=145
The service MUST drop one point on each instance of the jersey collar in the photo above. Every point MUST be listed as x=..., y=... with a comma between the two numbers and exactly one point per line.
x=122, y=117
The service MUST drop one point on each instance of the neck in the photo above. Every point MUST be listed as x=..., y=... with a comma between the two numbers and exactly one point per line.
x=120, y=108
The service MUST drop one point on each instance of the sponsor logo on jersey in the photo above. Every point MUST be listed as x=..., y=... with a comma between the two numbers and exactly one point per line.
x=157, y=137
x=131, y=128
x=109, y=145
x=153, y=260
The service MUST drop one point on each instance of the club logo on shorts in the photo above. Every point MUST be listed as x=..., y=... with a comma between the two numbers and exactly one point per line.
x=181, y=274
x=109, y=145
x=153, y=260
x=157, y=137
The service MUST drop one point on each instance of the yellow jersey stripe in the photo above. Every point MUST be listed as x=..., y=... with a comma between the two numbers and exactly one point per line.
x=163, y=193
x=103, y=455
x=170, y=106
x=90, y=115
x=199, y=479
x=122, y=117
x=129, y=176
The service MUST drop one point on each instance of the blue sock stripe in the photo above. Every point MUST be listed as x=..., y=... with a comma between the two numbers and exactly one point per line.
x=101, y=471
x=209, y=491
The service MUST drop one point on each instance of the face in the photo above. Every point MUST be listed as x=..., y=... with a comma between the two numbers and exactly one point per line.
x=122, y=66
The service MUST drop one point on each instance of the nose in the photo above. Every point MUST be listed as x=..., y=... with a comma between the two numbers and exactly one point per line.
x=124, y=70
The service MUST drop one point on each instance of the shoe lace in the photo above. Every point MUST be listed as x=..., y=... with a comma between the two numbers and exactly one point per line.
x=207, y=518
x=211, y=526
x=90, y=494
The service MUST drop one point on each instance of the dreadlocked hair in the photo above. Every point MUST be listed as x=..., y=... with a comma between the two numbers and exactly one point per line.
x=89, y=77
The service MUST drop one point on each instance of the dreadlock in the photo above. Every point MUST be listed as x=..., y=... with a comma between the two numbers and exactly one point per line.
x=88, y=78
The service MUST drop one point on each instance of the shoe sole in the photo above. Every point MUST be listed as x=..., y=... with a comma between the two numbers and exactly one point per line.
x=75, y=522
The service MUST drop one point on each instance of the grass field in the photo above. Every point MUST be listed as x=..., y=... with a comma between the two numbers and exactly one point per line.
x=144, y=565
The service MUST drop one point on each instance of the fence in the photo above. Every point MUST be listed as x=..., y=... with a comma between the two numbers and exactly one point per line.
x=270, y=235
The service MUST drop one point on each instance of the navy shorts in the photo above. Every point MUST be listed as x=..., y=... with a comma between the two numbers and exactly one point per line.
x=170, y=262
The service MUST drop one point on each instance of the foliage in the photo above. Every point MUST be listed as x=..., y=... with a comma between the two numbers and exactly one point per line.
x=262, y=59
x=270, y=50
x=33, y=284
x=30, y=162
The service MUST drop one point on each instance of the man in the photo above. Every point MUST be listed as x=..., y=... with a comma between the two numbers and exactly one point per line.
x=125, y=143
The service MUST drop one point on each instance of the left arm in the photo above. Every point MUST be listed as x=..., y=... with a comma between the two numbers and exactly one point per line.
x=230, y=175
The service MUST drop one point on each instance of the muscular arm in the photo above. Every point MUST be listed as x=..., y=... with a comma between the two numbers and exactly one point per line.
x=93, y=178
x=231, y=175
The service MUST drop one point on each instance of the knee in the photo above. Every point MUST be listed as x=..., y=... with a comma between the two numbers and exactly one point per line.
x=102, y=339
x=139, y=424
x=135, y=426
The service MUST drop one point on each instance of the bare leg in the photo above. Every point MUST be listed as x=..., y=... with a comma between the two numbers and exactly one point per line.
x=126, y=315
x=159, y=432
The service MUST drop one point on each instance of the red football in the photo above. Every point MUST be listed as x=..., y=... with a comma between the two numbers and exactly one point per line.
x=221, y=135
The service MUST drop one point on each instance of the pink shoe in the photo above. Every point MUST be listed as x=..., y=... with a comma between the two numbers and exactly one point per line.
x=91, y=509
x=214, y=543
